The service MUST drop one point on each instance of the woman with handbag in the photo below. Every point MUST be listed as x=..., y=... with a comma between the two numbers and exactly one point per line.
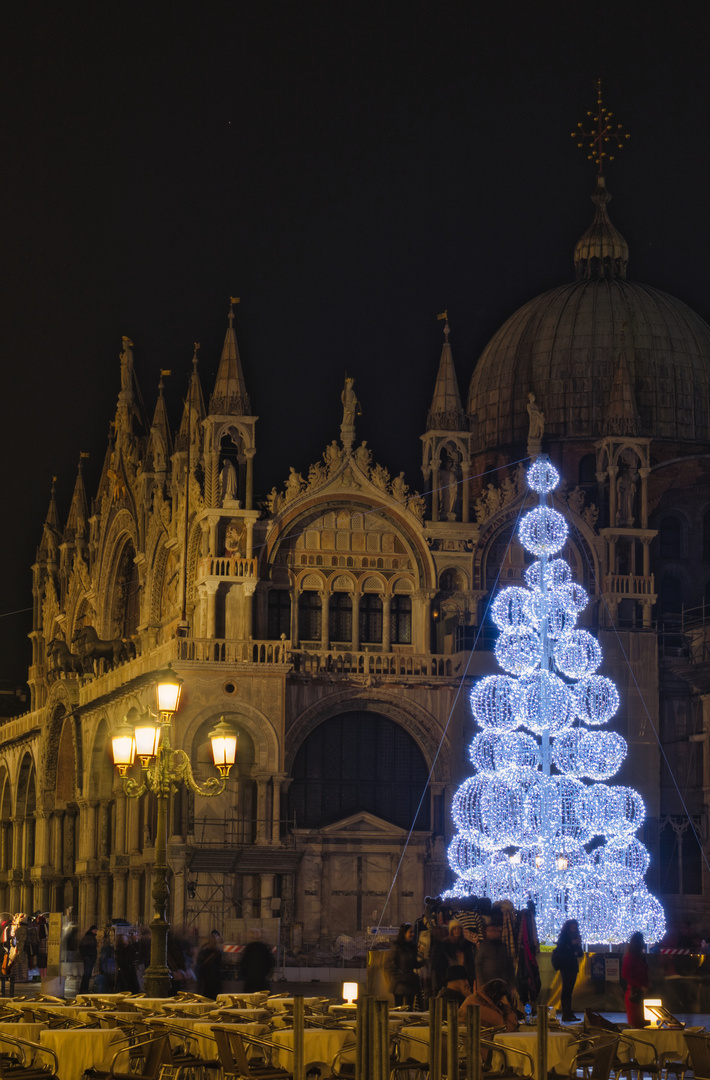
x=634, y=971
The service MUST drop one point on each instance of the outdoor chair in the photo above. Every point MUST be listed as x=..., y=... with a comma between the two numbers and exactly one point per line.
x=143, y=1057
x=699, y=1049
x=231, y=1047
x=595, y=1058
x=17, y=1067
x=625, y=1068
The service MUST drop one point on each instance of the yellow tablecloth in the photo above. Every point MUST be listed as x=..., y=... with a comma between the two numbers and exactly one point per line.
x=320, y=1044
x=78, y=1050
x=663, y=1040
x=561, y=1050
x=21, y=1030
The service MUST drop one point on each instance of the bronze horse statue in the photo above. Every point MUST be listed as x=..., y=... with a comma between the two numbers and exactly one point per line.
x=64, y=660
x=91, y=648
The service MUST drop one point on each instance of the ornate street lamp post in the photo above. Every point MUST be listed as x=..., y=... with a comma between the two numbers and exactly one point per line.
x=163, y=769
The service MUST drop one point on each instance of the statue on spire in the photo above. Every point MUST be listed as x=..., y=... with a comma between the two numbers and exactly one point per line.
x=351, y=409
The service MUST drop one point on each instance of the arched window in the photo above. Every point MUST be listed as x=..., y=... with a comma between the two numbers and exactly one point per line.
x=670, y=598
x=450, y=581
x=669, y=538
x=279, y=614
x=340, y=617
x=401, y=620
x=588, y=470
x=370, y=618
x=359, y=761
x=309, y=616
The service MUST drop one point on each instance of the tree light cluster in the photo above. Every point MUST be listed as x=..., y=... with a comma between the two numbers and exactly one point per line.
x=537, y=821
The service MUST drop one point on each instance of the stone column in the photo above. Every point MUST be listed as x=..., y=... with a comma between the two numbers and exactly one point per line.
x=612, y=471
x=4, y=829
x=250, y=539
x=249, y=588
x=465, y=499
x=261, y=824
x=213, y=522
x=88, y=899
x=425, y=596
x=295, y=593
x=276, y=808
x=57, y=844
x=324, y=620
x=211, y=588
x=249, y=499
x=119, y=894
x=355, y=636
x=88, y=821
x=134, y=842
x=435, y=493
x=134, y=882
x=325, y=892
x=120, y=837
x=646, y=558
x=103, y=910
x=643, y=473
x=386, y=623
x=104, y=823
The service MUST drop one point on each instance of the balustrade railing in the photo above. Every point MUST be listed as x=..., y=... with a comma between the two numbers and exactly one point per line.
x=317, y=661
x=226, y=567
x=629, y=585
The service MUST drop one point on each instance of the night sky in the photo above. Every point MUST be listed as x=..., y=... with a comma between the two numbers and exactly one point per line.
x=349, y=170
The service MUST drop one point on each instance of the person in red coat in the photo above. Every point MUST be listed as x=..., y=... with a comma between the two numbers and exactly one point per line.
x=634, y=971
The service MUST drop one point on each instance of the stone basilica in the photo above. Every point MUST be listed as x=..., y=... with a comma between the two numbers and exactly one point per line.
x=340, y=625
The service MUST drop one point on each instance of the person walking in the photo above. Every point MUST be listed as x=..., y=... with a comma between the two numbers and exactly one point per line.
x=256, y=965
x=88, y=951
x=634, y=971
x=565, y=959
x=401, y=964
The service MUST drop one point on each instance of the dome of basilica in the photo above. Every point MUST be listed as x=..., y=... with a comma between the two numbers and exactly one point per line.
x=575, y=345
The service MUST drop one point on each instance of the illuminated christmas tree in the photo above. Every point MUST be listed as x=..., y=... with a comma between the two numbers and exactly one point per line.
x=536, y=821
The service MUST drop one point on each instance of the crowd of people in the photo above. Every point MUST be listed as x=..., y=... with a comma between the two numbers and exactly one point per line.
x=491, y=960
x=116, y=960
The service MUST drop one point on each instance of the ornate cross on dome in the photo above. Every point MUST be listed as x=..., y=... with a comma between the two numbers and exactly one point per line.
x=602, y=133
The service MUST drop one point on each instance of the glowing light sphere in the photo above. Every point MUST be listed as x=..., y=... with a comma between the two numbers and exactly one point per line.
x=560, y=618
x=602, y=754
x=545, y=703
x=573, y=596
x=577, y=654
x=511, y=607
x=493, y=751
x=543, y=531
x=557, y=573
x=626, y=862
x=542, y=476
x=466, y=856
x=595, y=699
x=519, y=650
x=494, y=702
x=646, y=915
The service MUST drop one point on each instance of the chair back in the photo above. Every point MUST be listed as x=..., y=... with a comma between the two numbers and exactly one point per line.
x=699, y=1047
x=231, y=1051
x=603, y=1056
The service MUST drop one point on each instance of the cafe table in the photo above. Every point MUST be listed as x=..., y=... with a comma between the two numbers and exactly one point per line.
x=255, y=998
x=561, y=1049
x=663, y=1040
x=238, y=1015
x=21, y=1030
x=320, y=1044
x=78, y=1049
x=280, y=1004
x=193, y=1008
x=204, y=1043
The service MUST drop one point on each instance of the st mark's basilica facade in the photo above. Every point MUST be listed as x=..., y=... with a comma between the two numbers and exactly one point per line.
x=333, y=624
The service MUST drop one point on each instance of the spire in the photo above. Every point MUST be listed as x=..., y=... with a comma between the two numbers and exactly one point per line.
x=194, y=403
x=79, y=509
x=159, y=442
x=230, y=395
x=445, y=412
x=601, y=251
x=622, y=415
x=52, y=519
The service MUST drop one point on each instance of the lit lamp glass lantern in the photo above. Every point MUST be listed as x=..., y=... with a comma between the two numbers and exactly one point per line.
x=169, y=687
x=147, y=735
x=649, y=1012
x=350, y=992
x=123, y=744
x=224, y=747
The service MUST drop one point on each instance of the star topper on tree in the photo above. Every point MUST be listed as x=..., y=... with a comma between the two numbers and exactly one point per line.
x=536, y=821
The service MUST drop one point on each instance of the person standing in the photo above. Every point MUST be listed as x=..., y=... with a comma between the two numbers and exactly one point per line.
x=209, y=967
x=565, y=959
x=492, y=959
x=88, y=951
x=634, y=971
x=256, y=965
x=401, y=964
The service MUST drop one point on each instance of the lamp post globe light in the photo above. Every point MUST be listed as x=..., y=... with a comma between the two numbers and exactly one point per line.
x=164, y=767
